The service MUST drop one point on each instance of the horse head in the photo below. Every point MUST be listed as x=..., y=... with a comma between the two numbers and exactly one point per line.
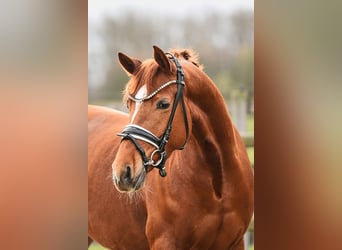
x=158, y=118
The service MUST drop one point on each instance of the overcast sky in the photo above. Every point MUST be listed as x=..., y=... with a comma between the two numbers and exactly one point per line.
x=97, y=9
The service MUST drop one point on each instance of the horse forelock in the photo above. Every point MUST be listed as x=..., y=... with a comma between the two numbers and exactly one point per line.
x=188, y=55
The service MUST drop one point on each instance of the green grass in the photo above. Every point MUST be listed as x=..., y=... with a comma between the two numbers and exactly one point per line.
x=250, y=152
x=96, y=246
x=250, y=128
x=250, y=123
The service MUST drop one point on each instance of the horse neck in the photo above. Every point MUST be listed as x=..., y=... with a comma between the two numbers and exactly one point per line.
x=213, y=134
x=211, y=121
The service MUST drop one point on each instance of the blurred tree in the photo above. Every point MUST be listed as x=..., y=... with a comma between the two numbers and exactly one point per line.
x=242, y=73
x=243, y=27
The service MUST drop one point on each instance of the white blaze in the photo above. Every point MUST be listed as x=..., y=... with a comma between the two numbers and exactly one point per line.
x=142, y=92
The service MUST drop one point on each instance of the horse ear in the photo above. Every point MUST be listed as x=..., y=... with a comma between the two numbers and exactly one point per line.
x=128, y=64
x=161, y=59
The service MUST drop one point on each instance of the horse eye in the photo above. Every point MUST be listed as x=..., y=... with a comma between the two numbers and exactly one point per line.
x=162, y=104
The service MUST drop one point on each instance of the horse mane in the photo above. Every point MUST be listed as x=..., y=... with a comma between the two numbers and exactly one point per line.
x=149, y=68
x=188, y=55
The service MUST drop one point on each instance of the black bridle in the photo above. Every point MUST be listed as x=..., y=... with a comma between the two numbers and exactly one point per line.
x=135, y=132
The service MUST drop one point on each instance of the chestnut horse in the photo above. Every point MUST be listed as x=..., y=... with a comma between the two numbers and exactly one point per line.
x=202, y=196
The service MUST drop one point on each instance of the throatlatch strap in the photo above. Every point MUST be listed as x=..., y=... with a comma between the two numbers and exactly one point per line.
x=186, y=124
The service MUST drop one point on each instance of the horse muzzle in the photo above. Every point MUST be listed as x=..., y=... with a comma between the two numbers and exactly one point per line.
x=126, y=182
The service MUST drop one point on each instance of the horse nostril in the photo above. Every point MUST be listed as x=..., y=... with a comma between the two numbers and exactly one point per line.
x=127, y=175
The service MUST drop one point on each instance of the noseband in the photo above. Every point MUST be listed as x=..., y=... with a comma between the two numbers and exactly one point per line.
x=134, y=132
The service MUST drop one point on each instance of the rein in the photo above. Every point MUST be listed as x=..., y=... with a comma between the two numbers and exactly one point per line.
x=135, y=132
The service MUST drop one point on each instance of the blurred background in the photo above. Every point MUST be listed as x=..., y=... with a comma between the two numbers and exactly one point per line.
x=222, y=32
